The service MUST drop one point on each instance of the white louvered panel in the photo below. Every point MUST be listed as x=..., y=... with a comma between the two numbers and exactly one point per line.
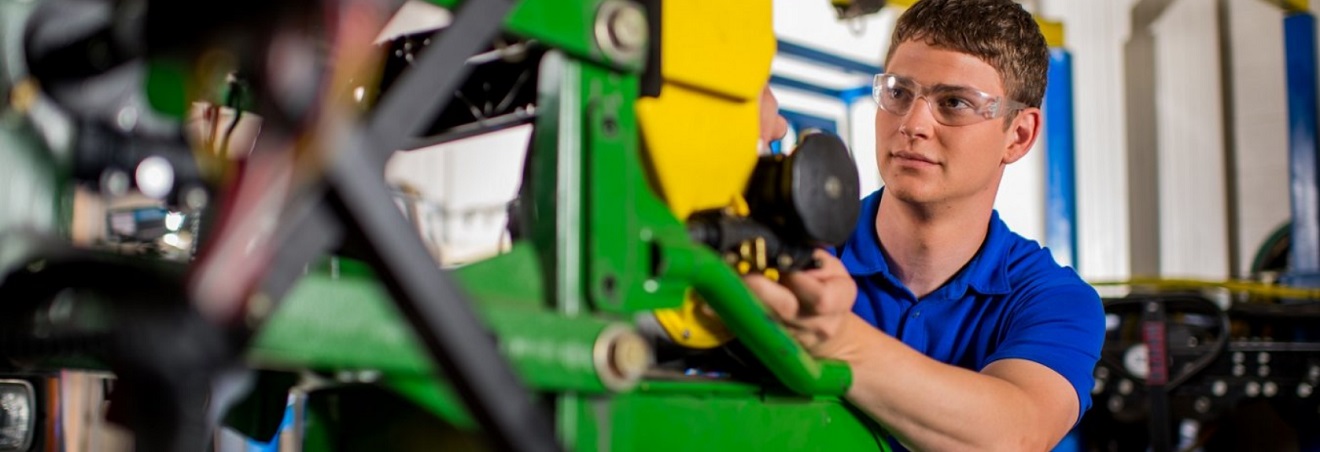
x=1261, y=115
x=1192, y=217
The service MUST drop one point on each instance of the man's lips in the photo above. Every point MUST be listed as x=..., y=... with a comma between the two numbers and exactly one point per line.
x=914, y=157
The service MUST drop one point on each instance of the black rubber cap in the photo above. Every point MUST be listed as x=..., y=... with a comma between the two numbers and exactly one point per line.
x=826, y=191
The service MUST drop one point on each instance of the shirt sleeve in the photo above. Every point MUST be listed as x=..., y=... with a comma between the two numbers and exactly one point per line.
x=1061, y=327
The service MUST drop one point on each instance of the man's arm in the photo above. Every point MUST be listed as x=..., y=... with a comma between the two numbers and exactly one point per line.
x=1012, y=404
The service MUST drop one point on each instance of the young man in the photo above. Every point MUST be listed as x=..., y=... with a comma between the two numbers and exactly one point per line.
x=961, y=335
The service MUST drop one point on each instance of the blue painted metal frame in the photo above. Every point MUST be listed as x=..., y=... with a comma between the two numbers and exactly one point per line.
x=1299, y=45
x=816, y=56
x=1060, y=180
x=797, y=122
x=789, y=82
x=802, y=121
x=847, y=96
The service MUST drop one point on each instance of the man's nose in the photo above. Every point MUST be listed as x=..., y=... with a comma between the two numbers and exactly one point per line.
x=919, y=118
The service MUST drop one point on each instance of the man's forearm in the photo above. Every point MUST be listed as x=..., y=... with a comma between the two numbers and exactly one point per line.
x=930, y=405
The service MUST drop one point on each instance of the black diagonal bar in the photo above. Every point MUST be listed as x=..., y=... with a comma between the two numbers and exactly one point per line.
x=425, y=89
x=309, y=230
x=454, y=338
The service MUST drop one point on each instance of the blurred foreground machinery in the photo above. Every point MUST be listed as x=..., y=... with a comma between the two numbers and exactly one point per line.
x=273, y=272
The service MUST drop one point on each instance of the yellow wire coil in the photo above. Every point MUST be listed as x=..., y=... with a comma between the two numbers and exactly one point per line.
x=1239, y=286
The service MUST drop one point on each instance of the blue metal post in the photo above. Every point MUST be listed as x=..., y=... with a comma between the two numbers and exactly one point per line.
x=1060, y=180
x=1299, y=45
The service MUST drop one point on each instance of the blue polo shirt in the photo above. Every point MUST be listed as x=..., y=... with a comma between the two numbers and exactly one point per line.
x=1010, y=301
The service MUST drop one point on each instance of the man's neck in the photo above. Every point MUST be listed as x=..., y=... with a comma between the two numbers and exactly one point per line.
x=926, y=245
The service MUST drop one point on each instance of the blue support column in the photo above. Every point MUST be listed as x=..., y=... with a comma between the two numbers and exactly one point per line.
x=1060, y=180
x=1299, y=46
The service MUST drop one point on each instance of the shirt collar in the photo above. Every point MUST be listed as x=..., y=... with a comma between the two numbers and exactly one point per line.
x=986, y=273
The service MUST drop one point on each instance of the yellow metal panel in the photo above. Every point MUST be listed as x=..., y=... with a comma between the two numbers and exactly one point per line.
x=720, y=46
x=701, y=132
x=1052, y=30
x=702, y=148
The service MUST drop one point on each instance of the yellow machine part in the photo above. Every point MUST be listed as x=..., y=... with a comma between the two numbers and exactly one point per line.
x=701, y=133
x=692, y=325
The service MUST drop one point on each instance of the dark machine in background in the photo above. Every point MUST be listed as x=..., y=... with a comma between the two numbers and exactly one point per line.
x=1209, y=368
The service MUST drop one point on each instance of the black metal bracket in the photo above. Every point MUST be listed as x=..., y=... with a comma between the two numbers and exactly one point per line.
x=1154, y=335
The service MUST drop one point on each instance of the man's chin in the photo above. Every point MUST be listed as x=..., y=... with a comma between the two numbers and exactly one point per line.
x=913, y=193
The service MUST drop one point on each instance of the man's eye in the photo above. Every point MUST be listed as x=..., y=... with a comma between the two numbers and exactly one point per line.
x=956, y=103
x=900, y=93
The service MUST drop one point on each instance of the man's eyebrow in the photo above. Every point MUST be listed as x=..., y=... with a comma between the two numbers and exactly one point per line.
x=945, y=87
x=937, y=88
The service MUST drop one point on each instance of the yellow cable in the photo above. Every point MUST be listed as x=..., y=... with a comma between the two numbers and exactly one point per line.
x=1239, y=286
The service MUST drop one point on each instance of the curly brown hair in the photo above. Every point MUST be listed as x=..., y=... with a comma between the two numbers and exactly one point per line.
x=998, y=32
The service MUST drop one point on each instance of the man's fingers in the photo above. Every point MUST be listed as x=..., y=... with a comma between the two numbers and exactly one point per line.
x=807, y=288
x=825, y=290
x=827, y=266
x=779, y=299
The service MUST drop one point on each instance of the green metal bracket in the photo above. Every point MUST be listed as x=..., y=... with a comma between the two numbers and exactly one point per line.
x=578, y=28
x=588, y=188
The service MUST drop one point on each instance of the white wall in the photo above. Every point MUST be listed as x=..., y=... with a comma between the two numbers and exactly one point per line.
x=1192, y=218
x=1261, y=105
x=813, y=24
x=863, y=145
x=1021, y=198
x=1193, y=223
x=1094, y=34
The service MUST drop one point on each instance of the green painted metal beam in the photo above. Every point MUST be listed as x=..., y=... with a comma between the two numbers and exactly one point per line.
x=667, y=421
x=345, y=321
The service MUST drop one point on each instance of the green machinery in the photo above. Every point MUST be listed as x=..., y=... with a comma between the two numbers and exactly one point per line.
x=635, y=206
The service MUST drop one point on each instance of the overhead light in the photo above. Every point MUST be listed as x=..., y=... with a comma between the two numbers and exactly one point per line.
x=155, y=177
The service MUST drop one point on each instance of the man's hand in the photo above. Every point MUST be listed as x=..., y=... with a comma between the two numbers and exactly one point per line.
x=814, y=305
x=773, y=126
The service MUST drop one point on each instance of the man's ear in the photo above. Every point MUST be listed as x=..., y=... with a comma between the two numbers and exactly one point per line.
x=1023, y=131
